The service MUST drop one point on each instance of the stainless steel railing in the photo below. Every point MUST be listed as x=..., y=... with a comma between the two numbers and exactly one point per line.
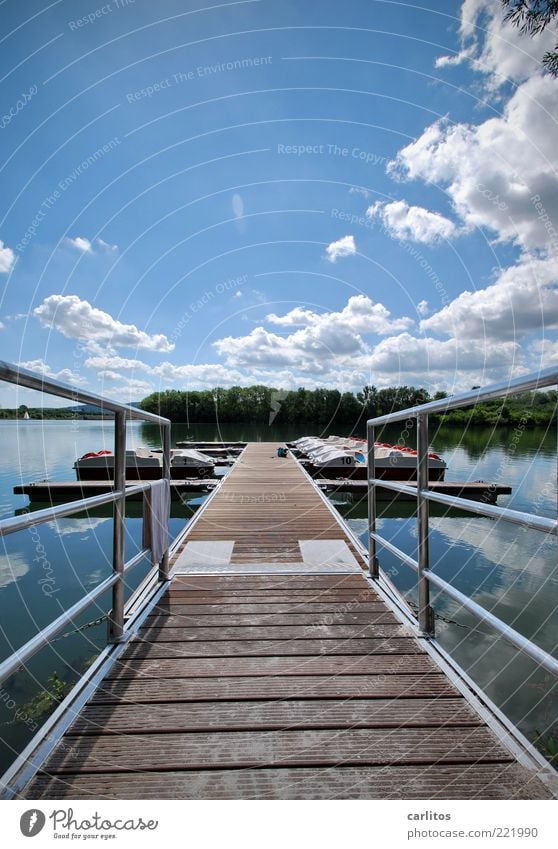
x=421, y=565
x=31, y=380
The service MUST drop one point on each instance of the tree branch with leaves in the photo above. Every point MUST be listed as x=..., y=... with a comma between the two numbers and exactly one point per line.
x=532, y=17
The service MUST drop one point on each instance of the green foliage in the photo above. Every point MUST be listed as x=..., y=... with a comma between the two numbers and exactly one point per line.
x=532, y=17
x=330, y=407
x=527, y=409
x=548, y=746
x=46, y=699
x=255, y=404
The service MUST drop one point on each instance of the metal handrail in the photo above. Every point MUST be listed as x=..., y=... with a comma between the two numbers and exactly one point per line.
x=31, y=380
x=34, y=380
x=59, y=511
x=425, y=577
x=538, y=380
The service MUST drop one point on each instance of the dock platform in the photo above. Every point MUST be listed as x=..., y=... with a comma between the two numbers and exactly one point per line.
x=57, y=492
x=272, y=667
x=473, y=490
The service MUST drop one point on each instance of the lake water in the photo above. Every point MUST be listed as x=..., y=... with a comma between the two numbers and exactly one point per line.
x=509, y=570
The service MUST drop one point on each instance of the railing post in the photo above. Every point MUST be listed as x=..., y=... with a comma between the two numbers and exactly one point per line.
x=164, y=564
x=373, y=562
x=116, y=616
x=425, y=612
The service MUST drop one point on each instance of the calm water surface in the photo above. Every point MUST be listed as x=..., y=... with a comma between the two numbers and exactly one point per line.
x=511, y=571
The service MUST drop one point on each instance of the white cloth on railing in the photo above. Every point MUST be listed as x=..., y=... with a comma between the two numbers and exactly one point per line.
x=156, y=512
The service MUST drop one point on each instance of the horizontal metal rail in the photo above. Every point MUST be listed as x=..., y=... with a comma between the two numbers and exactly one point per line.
x=59, y=511
x=137, y=558
x=32, y=646
x=425, y=577
x=396, y=486
x=491, y=511
x=546, y=377
x=542, y=657
x=389, y=546
x=31, y=380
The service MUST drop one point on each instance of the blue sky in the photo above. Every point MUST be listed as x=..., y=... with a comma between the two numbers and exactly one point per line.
x=320, y=194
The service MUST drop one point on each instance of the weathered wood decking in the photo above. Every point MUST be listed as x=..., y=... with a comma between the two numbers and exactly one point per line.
x=272, y=669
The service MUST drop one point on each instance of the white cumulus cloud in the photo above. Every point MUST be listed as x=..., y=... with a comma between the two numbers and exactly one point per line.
x=342, y=247
x=544, y=353
x=320, y=338
x=523, y=298
x=82, y=244
x=65, y=375
x=78, y=319
x=106, y=246
x=85, y=246
x=7, y=258
x=424, y=355
x=412, y=223
x=501, y=174
x=496, y=48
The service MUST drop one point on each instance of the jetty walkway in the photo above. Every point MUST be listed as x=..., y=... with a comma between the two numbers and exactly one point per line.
x=273, y=667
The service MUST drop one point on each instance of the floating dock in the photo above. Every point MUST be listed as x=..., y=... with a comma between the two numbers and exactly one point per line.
x=271, y=667
x=474, y=490
x=58, y=492
x=55, y=492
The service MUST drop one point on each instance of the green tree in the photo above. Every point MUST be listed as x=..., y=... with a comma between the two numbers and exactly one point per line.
x=532, y=17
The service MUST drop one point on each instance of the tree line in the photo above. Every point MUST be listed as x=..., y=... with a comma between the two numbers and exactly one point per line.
x=49, y=413
x=266, y=405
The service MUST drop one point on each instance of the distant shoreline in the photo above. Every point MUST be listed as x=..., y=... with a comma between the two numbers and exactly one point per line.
x=37, y=417
x=318, y=408
x=439, y=420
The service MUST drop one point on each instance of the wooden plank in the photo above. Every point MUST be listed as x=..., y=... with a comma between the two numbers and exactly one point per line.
x=279, y=607
x=147, y=752
x=156, y=648
x=238, y=716
x=151, y=691
x=215, y=667
x=288, y=582
x=479, y=781
x=243, y=619
x=274, y=632
x=255, y=565
x=274, y=597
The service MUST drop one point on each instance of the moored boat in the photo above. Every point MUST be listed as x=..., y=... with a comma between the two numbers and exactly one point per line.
x=143, y=464
x=187, y=463
x=339, y=457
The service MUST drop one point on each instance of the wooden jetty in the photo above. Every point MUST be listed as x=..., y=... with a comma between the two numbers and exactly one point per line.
x=272, y=667
x=56, y=492
x=473, y=490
